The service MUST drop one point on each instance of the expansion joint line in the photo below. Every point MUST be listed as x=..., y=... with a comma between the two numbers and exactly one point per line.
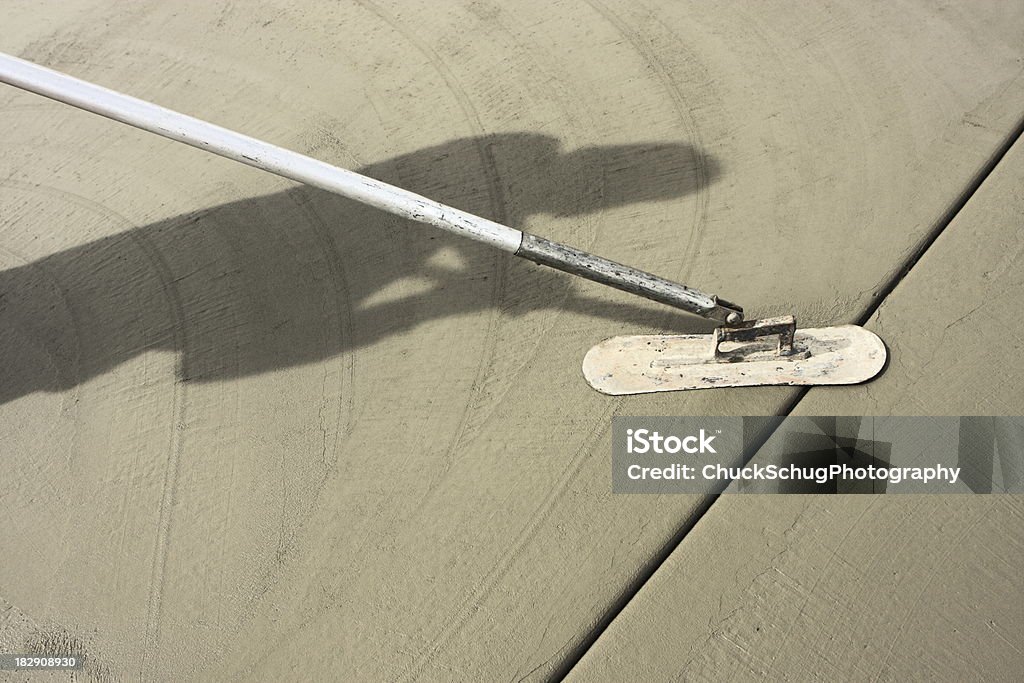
x=650, y=568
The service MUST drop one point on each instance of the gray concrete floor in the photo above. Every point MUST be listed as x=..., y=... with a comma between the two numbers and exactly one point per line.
x=255, y=432
x=892, y=588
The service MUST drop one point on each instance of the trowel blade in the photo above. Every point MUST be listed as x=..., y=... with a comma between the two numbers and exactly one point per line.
x=846, y=354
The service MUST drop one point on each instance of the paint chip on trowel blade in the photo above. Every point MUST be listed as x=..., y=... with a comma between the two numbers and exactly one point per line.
x=846, y=354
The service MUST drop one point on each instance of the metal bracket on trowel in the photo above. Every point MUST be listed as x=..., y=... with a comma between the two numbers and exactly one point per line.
x=759, y=352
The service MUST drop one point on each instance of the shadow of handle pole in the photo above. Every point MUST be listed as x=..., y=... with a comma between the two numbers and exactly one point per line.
x=301, y=168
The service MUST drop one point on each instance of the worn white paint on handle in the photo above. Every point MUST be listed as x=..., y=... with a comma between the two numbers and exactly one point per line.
x=253, y=152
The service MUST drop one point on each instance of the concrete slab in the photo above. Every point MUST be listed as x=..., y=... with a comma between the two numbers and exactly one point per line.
x=860, y=587
x=255, y=432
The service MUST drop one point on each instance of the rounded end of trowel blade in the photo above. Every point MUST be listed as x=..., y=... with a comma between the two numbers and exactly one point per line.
x=868, y=356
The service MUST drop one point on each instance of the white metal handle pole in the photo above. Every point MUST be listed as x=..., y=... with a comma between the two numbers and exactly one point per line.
x=304, y=169
x=250, y=151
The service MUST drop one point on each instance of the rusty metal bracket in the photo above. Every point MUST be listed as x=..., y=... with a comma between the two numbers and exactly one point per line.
x=783, y=327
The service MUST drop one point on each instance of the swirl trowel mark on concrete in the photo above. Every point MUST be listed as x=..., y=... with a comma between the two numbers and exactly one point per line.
x=175, y=446
x=498, y=213
x=470, y=605
x=172, y=469
x=341, y=325
x=645, y=48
